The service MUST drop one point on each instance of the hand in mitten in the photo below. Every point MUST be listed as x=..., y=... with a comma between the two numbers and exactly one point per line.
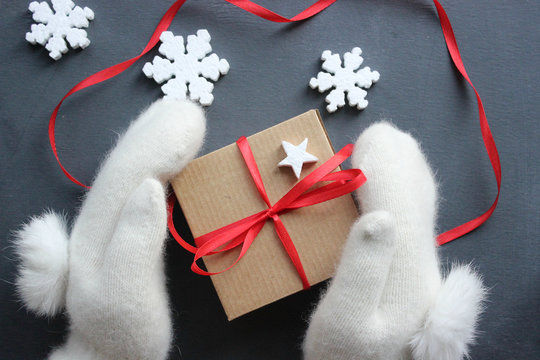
x=387, y=299
x=110, y=272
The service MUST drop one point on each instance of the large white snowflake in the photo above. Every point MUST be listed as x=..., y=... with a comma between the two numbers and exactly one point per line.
x=187, y=67
x=53, y=28
x=345, y=79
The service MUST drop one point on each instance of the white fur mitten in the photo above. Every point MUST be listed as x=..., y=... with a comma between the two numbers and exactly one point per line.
x=109, y=274
x=388, y=299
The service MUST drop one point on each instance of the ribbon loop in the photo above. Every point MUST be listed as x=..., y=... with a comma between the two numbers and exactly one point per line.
x=288, y=203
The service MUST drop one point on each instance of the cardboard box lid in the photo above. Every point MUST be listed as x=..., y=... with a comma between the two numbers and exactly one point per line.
x=217, y=189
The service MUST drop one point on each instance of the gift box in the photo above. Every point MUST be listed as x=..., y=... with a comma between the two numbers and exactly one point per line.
x=217, y=189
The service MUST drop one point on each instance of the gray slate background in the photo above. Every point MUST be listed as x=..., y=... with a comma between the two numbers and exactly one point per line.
x=271, y=65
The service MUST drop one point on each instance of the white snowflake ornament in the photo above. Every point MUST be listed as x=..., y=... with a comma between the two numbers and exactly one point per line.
x=297, y=156
x=187, y=68
x=54, y=26
x=345, y=79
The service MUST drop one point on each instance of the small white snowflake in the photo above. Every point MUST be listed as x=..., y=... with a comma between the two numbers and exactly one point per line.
x=344, y=79
x=54, y=28
x=187, y=67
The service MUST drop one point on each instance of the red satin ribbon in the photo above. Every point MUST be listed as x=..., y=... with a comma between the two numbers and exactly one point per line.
x=487, y=136
x=312, y=10
x=266, y=14
x=106, y=74
x=243, y=232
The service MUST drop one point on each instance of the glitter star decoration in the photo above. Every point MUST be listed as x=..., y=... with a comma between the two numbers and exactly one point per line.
x=297, y=156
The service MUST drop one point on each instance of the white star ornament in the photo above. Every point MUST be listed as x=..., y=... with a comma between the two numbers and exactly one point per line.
x=296, y=156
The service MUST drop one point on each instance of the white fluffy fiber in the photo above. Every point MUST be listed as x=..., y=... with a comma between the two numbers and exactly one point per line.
x=450, y=324
x=42, y=248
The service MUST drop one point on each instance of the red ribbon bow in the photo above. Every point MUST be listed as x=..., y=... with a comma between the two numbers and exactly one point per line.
x=243, y=232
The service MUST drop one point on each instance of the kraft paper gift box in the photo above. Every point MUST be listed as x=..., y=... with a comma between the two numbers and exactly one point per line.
x=216, y=190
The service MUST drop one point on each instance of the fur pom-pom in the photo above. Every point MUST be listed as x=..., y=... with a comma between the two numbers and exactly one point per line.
x=42, y=248
x=451, y=321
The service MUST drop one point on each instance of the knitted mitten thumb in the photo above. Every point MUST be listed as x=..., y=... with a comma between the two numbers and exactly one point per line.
x=114, y=292
x=387, y=299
